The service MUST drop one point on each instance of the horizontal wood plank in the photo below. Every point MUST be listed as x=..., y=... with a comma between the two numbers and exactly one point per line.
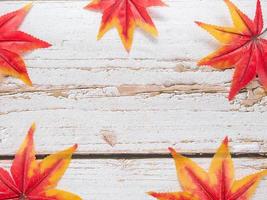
x=131, y=179
x=141, y=124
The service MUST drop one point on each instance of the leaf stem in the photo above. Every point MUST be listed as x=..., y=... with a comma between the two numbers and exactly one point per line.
x=265, y=30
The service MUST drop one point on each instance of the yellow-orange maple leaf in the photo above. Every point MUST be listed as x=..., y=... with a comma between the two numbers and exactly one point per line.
x=35, y=180
x=217, y=184
x=125, y=15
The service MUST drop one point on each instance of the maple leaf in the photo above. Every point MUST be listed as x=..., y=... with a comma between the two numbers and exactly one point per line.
x=125, y=15
x=242, y=48
x=31, y=179
x=216, y=184
x=14, y=42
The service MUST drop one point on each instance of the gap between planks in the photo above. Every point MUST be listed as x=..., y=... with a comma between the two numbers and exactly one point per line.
x=135, y=156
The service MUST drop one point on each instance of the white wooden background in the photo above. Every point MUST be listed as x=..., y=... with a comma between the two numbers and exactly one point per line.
x=125, y=110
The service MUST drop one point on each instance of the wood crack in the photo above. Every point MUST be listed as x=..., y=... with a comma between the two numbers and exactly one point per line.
x=128, y=89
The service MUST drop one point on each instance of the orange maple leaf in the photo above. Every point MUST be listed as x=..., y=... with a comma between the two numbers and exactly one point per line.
x=14, y=42
x=125, y=15
x=30, y=179
x=242, y=48
x=216, y=184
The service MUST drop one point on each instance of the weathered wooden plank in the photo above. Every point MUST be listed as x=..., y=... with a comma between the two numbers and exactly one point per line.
x=74, y=43
x=135, y=131
x=131, y=179
x=75, y=28
x=140, y=124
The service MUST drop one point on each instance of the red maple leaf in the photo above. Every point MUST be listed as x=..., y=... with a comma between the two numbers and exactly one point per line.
x=125, y=15
x=13, y=43
x=31, y=179
x=243, y=48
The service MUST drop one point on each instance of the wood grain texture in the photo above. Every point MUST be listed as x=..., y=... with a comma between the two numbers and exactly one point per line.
x=87, y=92
x=140, y=124
x=131, y=179
x=113, y=103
